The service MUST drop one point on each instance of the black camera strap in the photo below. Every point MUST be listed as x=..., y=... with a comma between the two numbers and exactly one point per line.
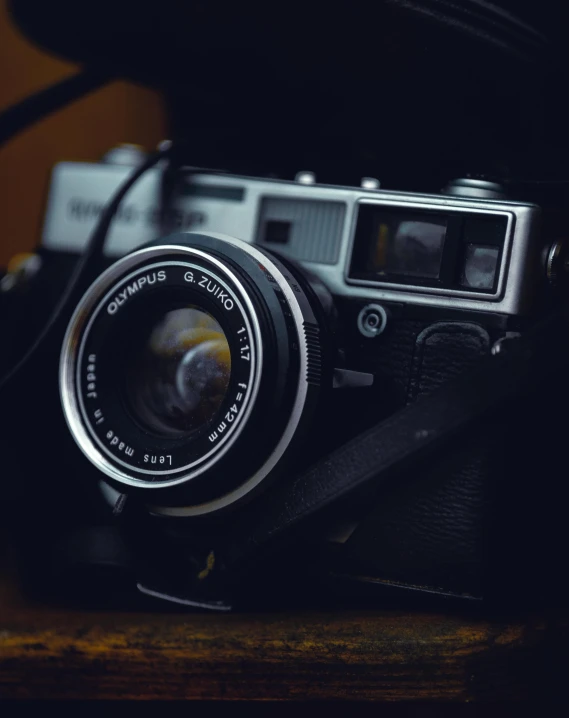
x=306, y=506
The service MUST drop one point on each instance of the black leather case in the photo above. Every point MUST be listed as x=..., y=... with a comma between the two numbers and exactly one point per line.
x=432, y=530
x=487, y=519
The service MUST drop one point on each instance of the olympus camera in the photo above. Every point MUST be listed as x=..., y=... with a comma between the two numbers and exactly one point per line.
x=273, y=320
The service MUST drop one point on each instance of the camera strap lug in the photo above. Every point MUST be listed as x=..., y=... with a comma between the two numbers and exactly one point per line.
x=178, y=569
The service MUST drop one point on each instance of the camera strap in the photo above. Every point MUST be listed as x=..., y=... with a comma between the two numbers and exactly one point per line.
x=383, y=454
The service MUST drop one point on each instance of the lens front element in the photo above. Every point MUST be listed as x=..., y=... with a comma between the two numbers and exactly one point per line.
x=177, y=376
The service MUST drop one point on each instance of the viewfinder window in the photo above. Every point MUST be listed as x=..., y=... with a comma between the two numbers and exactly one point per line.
x=405, y=245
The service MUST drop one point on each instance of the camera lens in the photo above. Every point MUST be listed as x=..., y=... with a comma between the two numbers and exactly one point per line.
x=190, y=368
x=178, y=375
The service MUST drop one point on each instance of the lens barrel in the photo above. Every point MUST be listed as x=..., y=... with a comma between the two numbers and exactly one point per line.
x=190, y=370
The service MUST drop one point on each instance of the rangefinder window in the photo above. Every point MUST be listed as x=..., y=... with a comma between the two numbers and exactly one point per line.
x=427, y=249
x=480, y=267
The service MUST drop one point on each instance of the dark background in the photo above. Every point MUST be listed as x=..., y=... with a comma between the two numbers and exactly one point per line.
x=412, y=93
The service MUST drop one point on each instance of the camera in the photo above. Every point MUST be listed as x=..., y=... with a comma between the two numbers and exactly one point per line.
x=192, y=366
x=273, y=320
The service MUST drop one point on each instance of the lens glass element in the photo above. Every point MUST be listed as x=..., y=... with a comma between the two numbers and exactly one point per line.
x=178, y=374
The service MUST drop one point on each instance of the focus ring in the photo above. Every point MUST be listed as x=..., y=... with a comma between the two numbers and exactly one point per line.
x=314, y=359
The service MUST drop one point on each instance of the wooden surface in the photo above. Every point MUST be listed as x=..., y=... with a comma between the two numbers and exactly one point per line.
x=85, y=130
x=389, y=655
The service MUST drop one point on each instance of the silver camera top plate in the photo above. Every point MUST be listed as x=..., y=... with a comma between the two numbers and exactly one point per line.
x=324, y=219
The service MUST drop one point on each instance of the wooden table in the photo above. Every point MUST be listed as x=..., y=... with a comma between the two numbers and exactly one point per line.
x=50, y=652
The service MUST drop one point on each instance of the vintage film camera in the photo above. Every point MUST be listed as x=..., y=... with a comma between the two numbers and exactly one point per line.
x=271, y=321
x=204, y=369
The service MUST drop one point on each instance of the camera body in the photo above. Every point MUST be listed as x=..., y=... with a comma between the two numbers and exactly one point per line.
x=384, y=296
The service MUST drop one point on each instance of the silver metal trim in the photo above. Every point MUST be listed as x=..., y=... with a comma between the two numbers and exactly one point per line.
x=295, y=416
x=70, y=361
